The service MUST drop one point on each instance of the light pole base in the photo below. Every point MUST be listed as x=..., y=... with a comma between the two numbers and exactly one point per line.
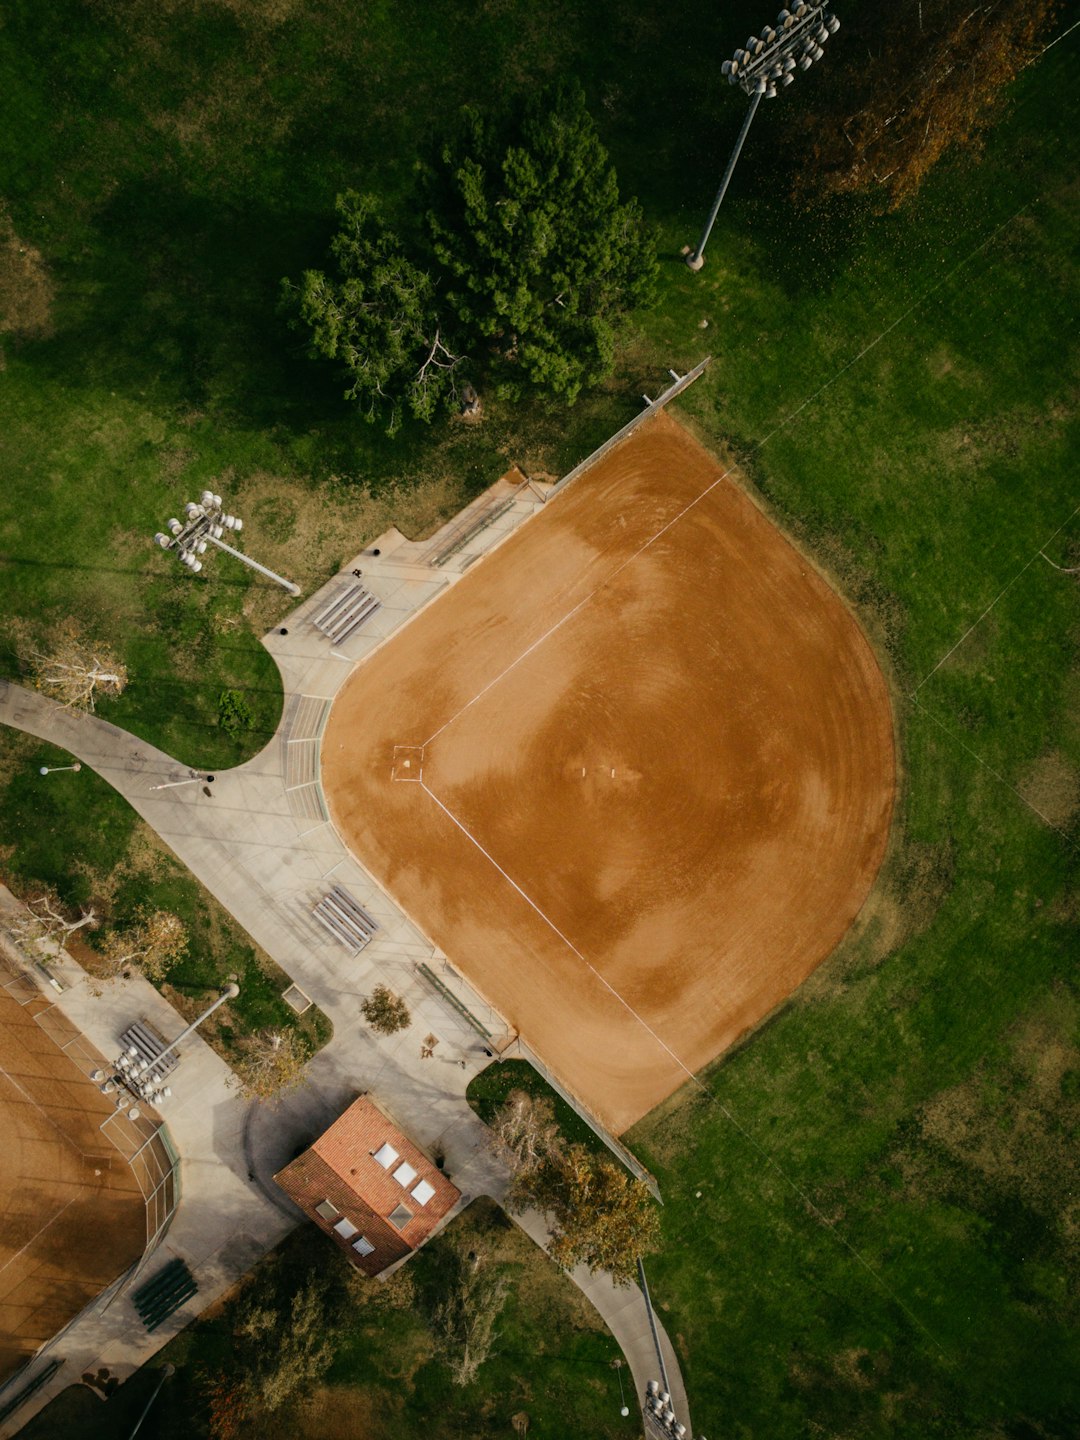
x=694, y=262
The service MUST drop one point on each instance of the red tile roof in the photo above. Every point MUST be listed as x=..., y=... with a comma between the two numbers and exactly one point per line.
x=340, y=1167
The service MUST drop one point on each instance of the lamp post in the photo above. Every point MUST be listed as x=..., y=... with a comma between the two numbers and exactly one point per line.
x=206, y=523
x=193, y=779
x=617, y=1365
x=52, y=769
x=759, y=68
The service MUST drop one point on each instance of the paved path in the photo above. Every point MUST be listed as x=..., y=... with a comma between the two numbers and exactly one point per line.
x=258, y=843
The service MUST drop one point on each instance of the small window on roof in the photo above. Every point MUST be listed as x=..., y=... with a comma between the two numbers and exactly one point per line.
x=385, y=1155
x=363, y=1245
x=422, y=1193
x=326, y=1211
x=404, y=1174
x=400, y=1216
x=345, y=1228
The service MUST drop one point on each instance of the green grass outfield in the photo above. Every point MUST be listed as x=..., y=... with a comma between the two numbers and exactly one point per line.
x=885, y=1238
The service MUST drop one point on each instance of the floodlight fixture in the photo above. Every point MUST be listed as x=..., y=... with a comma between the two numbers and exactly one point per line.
x=206, y=524
x=756, y=68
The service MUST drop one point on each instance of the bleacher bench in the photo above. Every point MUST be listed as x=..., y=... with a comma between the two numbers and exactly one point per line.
x=347, y=921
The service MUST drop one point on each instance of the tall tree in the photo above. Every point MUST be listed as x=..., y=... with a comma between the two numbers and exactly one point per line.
x=603, y=1217
x=464, y=1319
x=910, y=84
x=385, y=1012
x=45, y=922
x=542, y=258
x=151, y=944
x=271, y=1064
x=525, y=1131
x=377, y=314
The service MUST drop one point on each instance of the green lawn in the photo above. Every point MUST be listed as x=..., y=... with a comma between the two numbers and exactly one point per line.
x=870, y=1213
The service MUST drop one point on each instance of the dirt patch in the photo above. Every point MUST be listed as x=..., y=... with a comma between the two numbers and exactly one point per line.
x=1006, y=1123
x=657, y=772
x=1051, y=786
x=26, y=287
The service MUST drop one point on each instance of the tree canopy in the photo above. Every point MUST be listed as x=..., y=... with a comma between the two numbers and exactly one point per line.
x=378, y=315
x=541, y=257
x=909, y=87
x=603, y=1217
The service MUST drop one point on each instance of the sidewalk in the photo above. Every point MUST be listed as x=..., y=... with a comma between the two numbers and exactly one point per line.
x=268, y=862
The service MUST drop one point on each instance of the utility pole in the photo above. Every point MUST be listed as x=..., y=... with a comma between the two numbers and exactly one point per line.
x=206, y=523
x=758, y=69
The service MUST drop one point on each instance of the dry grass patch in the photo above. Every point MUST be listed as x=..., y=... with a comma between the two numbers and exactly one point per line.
x=26, y=287
x=307, y=534
x=1051, y=786
x=1006, y=1124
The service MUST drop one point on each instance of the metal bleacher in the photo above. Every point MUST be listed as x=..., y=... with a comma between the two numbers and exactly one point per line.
x=164, y=1294
x=346, y=612
x=148, y=1044
x=347, y=921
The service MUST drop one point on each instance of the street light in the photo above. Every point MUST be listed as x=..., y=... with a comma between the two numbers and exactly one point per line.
x=760, y=68
x=617, y=1365
x=205, y=525
x=52, y=769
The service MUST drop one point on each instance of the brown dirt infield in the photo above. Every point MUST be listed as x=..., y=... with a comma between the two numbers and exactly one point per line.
x=655, y=771
x=72, y=1216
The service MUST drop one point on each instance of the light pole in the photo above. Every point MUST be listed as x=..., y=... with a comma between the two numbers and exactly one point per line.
x=617, y=1365
x=206, y=523
x=142, y=1078
x=52, y=769
x=758, y=69
x=193, y=779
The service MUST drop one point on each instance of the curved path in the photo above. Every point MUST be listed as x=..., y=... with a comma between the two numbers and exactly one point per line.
x=249, y=851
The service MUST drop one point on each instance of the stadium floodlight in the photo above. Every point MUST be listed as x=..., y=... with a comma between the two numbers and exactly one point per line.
x=206, y=524
x=143, y=1079
x=760, y=69
x=661, y=1422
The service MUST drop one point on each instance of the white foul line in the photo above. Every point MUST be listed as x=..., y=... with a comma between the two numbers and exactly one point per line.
x=829, y=1225
x=781, y=425
x=553, y=927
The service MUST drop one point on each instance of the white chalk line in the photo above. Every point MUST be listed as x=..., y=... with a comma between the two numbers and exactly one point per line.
x=44, y=1113
x=975, y=624
x=782, y=425
x=959, y=739
x=555, y=929
x=38, y=1234
x=796, y=1189
x=758, y=445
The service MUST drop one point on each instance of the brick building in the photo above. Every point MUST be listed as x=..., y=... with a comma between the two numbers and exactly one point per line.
x=369, y=1188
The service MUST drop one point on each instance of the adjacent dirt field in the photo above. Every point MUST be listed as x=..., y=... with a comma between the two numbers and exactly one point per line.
x=649, y=771
x=72, y=1217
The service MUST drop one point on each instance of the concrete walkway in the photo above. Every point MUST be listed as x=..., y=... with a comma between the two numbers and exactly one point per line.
x=260, y=842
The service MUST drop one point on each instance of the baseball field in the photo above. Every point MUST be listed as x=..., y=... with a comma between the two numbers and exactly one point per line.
x=633, y=774
x=72, y=1215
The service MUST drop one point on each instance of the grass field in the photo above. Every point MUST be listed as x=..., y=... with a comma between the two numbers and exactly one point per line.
x=885, y=1239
